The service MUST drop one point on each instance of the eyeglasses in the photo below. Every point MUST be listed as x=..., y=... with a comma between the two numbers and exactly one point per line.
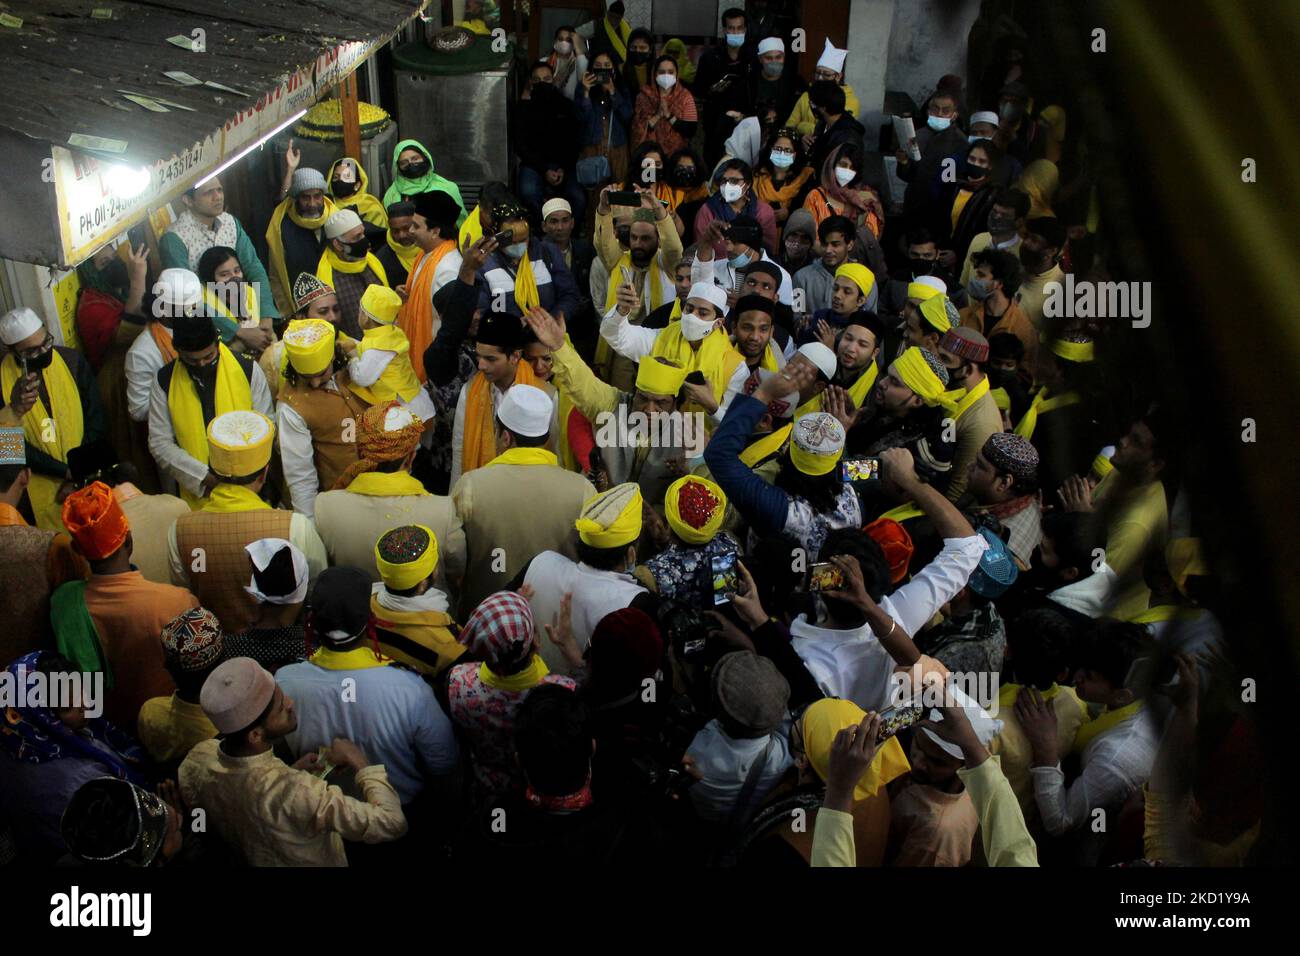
x=37, y=351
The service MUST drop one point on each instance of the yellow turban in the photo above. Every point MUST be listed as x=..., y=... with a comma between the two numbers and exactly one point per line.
x=1074, y=351
x=406, y=556
x=309, y=345
x=705, y=506
x=922, y=291
x=239, y=443
x=1185, y=558
x=859, y=274
x=935, y=312
x=381, y=304
x=659, y=378
x=826, y=718
x=915, y=372
x=612, y=519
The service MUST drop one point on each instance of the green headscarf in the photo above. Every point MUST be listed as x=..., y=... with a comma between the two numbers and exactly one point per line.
x=429, y=182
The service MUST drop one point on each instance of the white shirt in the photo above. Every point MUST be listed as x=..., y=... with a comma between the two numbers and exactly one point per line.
x=852, y=664
x=634, y=342
x=458, y=426
x=143, y=360
x=725, y=763
x=175, y=461
x=430, y=600
x=1093, y=595
x=723, y=273
x=1115, y=763
x=448, y=269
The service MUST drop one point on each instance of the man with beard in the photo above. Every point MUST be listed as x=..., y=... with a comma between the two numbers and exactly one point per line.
x=752, y=325
x=295, y=238
x=994, y=308
x=398, y=253
x=1002, y=481
x=348, y=265
x=203, y=224
x=965, y=354
x=205, y=380
x=558, y=224
x=1040, y=256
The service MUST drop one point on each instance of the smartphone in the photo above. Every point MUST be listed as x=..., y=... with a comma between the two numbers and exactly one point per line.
x=624, y=197
x=825, y=576
x=725, y=577
x=737, y=281
x=504, y=237
x=696, y=378
x=22, y=361
x=860, y=469
x=894, y=719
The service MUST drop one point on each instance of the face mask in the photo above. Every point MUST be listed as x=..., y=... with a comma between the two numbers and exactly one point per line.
x=922, y=267
x=938, y=123
x=637, y=58
x=694, y=328
x=666, y=81
x=741, y=260
x=972, y=139
x=975, y=172
x=341, y=189
x=773, y=70
x=979, y=289
x=845, y=176
x=735, y=39
x=358, y=249
x=416, y=170
x=516, y=250
x=563, y=47
x=684, y=175
x=782, y=160
x=731, y=192
x=998, y=377
x=1001, y=225
x=41, y=361
x=204, y=376
x=1009, y=111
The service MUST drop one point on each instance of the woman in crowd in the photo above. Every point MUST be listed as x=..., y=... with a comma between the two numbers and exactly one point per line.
x=665, y=109
x=843, y=191
x=782, y=173
x=604, y=115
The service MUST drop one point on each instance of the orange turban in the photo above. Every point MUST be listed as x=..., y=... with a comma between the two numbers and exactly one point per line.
x=95, y=520
x=384, y=433
x=896, y=544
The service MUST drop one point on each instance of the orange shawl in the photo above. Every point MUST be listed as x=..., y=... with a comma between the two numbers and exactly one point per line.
x=164, y=343
x=480, y=421
x=415, y=318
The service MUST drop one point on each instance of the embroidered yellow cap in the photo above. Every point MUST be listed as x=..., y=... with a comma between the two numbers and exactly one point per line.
x=309, y=345
x=406, y=556
x=239, y=443
x=612, y=519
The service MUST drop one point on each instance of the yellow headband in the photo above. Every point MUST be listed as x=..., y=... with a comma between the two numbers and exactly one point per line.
x=309, y=345
x=808, y=461
x=919, y=290
x=687, y=532
x=859, y=275
x=915, y=372
x=1101, y=466
x=655, y=378
x=935, y=312
x=600, y=527
x=381, y=304
x=1074, y=351
x=402, y=575
x=240, y=443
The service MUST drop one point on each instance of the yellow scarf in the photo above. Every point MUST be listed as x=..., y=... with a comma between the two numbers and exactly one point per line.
x=526, y=295
x=1166, y=612
x=1102, y=723
x=330, y=261
x=971, y=398
x=524, y=456
x=471, y=230
x=654, y=279
x=1041, y=405
x=275, y=242
x=398, y=377
x=860, y=389
x=251, y=306
x=903, y=512
x=233, y=394
x=228, y=499
x=766, y=446
x=386, y=484
x=1009, y=692
x=357, y=659
x=768, y=361
x=54, y=432
x=530, y=676
x=406, y=255
x=618, y=39
x=716, y=357
x=480, y=442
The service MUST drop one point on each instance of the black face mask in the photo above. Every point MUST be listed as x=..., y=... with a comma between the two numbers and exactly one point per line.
x=415, y=170
x=975, y=172
x=341, y=189
x=636, y=59
x=115, y=274
x=923, y=267
x=998, y=377
x=684, y=176
x=41, y=361
x=1001, y=225
x=358, y=249
x=204, y=376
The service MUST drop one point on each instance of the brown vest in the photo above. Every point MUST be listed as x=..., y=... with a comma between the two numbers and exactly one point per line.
x=226, y=567
x=24, y=555
x=325, y=412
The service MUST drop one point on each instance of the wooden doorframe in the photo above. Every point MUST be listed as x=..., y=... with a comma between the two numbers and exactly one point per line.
x=822, y=19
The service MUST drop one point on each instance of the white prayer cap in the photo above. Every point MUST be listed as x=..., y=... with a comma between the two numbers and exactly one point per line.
x=832, y=59
x=771, y=45
x=398, y=417
x=179, y=289
x=710, y=292
x=526, y=410
x=934, y=282
x=17, y=324
x=984, y=116
x=556, y=205
x=286, y=582
x=343, y=221
x=820, y=356
x=985, y=726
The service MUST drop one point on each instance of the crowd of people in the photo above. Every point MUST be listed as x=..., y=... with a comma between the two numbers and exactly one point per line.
x=694, y=499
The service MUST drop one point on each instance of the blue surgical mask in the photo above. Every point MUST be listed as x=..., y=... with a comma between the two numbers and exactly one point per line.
x=741, y=260
x=979, y=289
x=973, y=139
x=782, y=160
x=517, y=250
x=735, y=39
x=938, y=123
x=773, y=70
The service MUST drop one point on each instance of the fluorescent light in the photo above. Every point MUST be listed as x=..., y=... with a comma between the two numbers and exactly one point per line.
x=244, y=152
x=128, y=181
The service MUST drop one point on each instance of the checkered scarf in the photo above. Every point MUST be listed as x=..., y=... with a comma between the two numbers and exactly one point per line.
x=500, y=631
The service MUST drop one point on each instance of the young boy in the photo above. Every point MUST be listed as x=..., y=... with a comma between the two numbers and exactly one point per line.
x=380, y=364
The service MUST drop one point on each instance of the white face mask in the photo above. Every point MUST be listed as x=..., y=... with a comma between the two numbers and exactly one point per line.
x=845, y=176
x=694, y=328
x=666, y=81
x=731, y=192
x=563, y=47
